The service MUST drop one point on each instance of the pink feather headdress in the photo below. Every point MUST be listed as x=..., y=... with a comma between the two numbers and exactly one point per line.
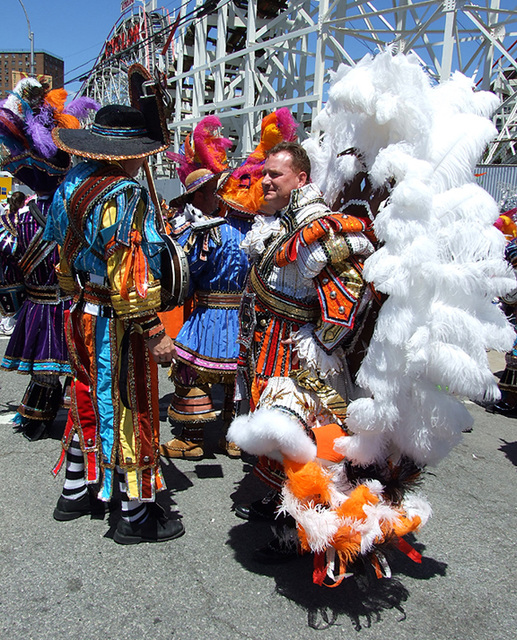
x=207, y=150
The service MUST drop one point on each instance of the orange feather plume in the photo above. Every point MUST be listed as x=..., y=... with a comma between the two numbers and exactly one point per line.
x=308, y=482
x=243, y=188
x=56, y=99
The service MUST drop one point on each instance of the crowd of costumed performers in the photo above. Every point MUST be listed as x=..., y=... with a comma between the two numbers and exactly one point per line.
x=342, y=290
x=346, y=467
x=29, y=288
x=211, y=220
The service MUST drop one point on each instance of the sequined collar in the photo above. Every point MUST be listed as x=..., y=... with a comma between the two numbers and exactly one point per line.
x=298, y=211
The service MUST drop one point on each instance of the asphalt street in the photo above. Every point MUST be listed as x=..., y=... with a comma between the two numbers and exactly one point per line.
x=70, y=580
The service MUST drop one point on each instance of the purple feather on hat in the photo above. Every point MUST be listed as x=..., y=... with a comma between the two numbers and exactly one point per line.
x=39, y=128
x=80, y=107
x=26, y=123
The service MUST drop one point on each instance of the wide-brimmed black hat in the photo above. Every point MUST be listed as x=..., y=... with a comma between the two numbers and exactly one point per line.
x=118, y=132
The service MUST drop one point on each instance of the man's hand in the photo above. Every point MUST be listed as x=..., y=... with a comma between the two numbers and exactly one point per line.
x=162, y=349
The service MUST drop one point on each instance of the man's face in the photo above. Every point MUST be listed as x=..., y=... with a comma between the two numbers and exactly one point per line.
x=279, y=179
x=205, y=199
x=132, y=166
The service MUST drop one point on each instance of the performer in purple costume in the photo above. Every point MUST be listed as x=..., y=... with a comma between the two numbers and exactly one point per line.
x=37, y=346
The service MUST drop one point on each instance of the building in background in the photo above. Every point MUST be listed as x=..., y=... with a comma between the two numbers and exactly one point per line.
x=16, y=64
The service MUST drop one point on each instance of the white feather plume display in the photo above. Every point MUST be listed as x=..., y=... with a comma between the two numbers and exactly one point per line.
x=14, y=102
x=440, y=261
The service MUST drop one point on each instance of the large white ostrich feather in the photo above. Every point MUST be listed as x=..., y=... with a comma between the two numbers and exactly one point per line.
x=440, y=261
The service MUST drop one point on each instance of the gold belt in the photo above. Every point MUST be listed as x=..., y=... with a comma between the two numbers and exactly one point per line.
x=48, y=294
x=281, y=306
x=216, y=300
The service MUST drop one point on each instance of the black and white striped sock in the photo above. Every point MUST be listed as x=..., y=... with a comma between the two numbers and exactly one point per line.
x=75, y=484
x=133, y=510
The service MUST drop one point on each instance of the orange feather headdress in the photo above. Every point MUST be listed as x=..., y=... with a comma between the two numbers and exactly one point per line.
x=243, y=188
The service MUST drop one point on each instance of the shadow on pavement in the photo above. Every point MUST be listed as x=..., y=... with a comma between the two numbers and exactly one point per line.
x=8, y=407
x=361, y=598
x=510, y=451
x=175, y=480
x=248, y=488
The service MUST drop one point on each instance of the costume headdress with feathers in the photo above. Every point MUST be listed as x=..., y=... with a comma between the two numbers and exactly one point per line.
x=207, y=150
x=243, y=188
x=441, y=260
x=440, y=263
x=27, y=118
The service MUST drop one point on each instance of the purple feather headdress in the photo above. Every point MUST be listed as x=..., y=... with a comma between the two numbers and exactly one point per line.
x=27, y=118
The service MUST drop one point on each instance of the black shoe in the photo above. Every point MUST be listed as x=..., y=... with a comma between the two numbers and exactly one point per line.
x=242, y=511
x=276, y=552
x=503, y=409
x=156, y=528
x=265, y=509
x=35, y=430
x=86, y=505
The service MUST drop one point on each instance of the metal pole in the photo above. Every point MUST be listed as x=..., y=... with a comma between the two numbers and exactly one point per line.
x=31, y=38
x=449, y=8
x=33, y=65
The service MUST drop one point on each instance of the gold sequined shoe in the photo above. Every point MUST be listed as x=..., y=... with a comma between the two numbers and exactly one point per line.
x=179, y=448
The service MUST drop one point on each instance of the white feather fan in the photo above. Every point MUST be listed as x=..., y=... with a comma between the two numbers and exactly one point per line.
x=440, y=261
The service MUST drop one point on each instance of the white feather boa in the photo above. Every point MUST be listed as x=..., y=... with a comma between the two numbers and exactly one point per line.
x=272, y=433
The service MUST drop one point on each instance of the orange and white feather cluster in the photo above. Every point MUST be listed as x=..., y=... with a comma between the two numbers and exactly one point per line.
x=342, y=520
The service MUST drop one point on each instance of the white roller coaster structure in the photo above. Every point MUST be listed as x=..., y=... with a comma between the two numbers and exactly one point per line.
x=241, y=58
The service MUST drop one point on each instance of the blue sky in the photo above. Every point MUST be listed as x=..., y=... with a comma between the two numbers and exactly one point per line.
x=73, y=30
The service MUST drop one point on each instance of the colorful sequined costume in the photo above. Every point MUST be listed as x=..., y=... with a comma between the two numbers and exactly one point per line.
x=305, y=306
x=304, y=302
x=37, y=346
x=206, y=345
x=438, y=266
x=207, y=342
x=106, y=226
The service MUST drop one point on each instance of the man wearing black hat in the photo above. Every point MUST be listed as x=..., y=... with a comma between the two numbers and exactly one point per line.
x=108, y=230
